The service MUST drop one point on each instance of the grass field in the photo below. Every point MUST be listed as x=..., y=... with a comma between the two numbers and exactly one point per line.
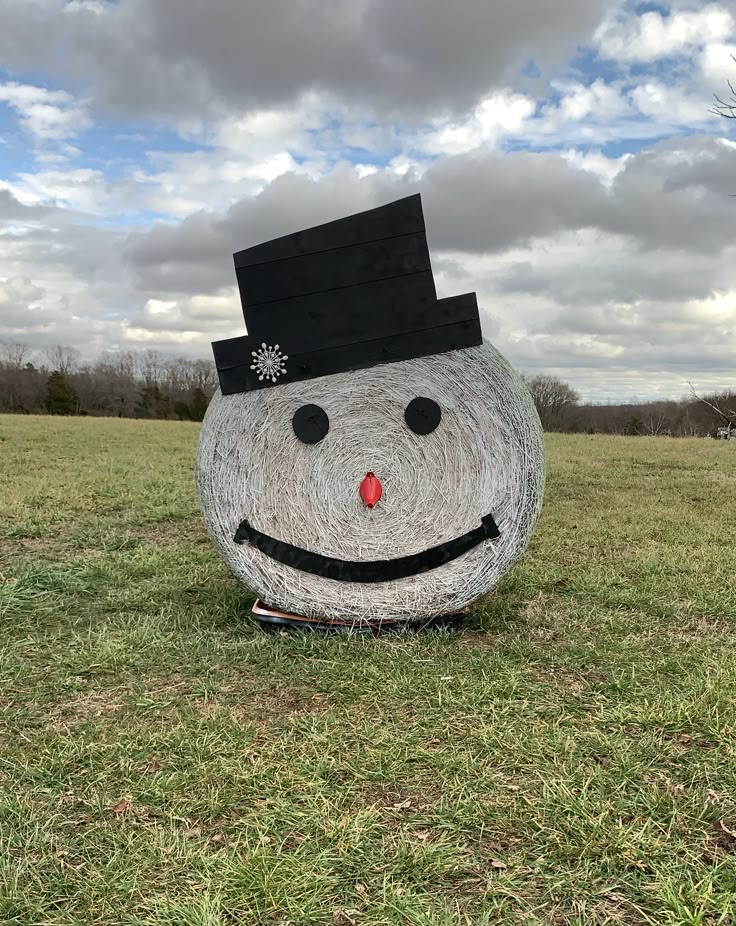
x=568, y=758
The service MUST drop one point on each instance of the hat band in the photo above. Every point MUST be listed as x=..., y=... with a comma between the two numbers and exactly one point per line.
x=244, y=365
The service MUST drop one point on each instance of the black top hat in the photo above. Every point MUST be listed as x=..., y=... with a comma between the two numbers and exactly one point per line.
x=349, y=294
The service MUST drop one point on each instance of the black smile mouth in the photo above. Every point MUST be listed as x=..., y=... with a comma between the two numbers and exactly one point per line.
x=379, y=570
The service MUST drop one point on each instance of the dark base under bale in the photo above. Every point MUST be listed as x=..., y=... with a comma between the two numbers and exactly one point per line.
x=272, y=620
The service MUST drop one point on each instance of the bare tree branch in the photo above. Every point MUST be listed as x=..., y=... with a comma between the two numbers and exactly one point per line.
x=728, y=416
x=62, y=358
x=13, y=353
x=726, y=108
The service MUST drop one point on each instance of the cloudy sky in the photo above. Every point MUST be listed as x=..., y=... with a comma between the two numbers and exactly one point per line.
x=570, y=169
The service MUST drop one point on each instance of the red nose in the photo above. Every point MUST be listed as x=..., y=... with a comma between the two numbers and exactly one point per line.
x=370, y=489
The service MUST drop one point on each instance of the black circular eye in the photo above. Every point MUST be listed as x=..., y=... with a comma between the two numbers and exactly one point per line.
x=310, y=423
x=423, y=415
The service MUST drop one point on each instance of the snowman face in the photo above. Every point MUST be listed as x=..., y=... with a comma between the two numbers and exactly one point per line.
x=385, y=471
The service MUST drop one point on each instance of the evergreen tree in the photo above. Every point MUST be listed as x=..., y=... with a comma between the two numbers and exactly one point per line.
x=182, y=411
x=61, y=396
x=152, y=403
x=198, y=404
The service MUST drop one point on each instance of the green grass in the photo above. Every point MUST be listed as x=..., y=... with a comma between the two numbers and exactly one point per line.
x=568, y=758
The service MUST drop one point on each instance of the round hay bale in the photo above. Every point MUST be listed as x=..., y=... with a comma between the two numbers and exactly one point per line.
x=485, y=456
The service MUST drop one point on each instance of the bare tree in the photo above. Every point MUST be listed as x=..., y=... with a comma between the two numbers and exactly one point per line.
x=656, y=422
x=115, y=372
x=726, y=108
x=151, y=365
x=16, y=383
x=13, y=354
x=553, y=398
x=62, y=359
x=206, y=375
x=177, y=374
x=726, y=415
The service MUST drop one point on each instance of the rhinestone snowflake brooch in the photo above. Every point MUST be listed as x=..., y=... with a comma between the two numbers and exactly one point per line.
x=268, y=362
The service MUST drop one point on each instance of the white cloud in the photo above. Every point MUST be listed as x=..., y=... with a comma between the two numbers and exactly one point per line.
x=154, y=307
x=670, y=105
x=627, y=36
x=47, y=115
x=717, y=66
x=500, y=115
x=403, y=166
x=588, y=113
x=218, y=313
x=579, y=101
x=19, y=292
x=81, y=188
x=595, y=162
x=719, y=308
x=237, y=155
x=85, y=6
x=133, y=336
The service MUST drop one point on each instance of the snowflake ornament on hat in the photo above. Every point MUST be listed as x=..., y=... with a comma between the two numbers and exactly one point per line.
x=269, y=363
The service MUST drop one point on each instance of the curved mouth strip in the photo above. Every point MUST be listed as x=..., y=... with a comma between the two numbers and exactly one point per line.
x=379, y=570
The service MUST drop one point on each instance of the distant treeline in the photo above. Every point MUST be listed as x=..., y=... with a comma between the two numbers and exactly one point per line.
x=147, y=384
x=125, y=384
x=694, y=416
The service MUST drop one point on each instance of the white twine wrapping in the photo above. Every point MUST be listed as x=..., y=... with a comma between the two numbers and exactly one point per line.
x=486, y=456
